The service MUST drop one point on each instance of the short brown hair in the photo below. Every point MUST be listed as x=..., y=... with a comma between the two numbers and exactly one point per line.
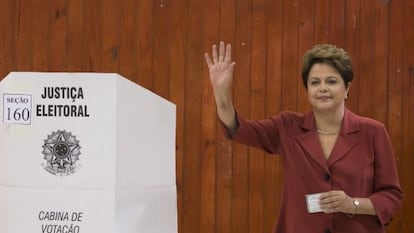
x=328, y=54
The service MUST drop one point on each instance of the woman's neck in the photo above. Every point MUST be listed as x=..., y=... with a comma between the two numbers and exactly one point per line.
x=329, y=122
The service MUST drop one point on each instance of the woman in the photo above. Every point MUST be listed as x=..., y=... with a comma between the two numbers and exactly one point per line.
x=340, y=174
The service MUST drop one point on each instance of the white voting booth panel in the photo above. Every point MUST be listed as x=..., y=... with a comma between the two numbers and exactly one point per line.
x=86, y=153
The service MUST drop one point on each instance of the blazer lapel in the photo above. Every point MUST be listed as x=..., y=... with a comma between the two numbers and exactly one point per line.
x=309, y=140
x=344, y=143
x=347, y=138
x=311, y=144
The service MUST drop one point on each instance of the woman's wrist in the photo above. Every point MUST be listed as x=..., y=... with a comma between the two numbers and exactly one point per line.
x=361, y=206
x=355, y=204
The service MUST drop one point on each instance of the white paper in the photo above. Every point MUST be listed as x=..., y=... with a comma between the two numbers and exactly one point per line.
x=312, y=201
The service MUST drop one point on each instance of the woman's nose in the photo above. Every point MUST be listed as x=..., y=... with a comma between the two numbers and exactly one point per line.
x=323, y=88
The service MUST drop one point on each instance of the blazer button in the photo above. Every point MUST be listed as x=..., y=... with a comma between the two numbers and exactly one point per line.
x=327, y=176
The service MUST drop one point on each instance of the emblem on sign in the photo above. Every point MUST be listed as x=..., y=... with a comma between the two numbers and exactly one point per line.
x=61, y=151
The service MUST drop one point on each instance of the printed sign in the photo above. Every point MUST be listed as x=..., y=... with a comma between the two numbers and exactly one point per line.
x=17, y=109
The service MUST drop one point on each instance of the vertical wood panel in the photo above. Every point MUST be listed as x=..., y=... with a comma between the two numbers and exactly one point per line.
x=322, y=23
x=290, y=60
x=352, y=47
x=257, y=111
x=272, y=173
x=338, y=22
x=58, y=35
x=366, y=79
x=145, y=37
x=177, y=30
x=241, y=89
x=8, y=26
x=128, y=37
x=76, y=58
x=41, y=31
x=24, y=35
x=394, y=83
x=224, y=170
x=209, y=142
x=379, y=66
x=110, y=34
x=306, y=36
x=192, y=118
x=161, y=80
x=407, y=139
x=93, y=34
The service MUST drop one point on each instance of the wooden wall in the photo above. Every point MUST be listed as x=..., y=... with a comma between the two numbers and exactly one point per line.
x=159, y=44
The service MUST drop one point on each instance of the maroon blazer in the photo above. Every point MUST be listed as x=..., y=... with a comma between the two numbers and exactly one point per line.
x=362, y=164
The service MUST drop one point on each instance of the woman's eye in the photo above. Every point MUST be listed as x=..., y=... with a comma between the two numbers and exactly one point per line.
x=314, y=83
x=332, y=81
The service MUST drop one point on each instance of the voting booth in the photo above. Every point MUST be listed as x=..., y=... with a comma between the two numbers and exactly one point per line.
x=85, y=153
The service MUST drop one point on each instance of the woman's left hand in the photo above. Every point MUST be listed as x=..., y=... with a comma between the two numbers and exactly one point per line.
x=336, y=201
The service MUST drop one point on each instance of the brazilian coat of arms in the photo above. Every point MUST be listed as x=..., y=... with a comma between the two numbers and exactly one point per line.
x=61, y=152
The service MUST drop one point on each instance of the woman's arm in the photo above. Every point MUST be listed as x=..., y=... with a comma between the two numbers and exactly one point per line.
x=221, y=69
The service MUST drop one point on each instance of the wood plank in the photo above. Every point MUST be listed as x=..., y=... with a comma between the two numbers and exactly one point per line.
x=77, y=57
x=352, y=31
x=145, y=37
x=337, y=16
x=407, y=138
x=380, y=68
x=366, y=54
x=290, y=59
x=41, y=35
x=58, y=34
x=322, y=25
x=128, y=36
x=178, y=30
x=24, y=45
x=307, y=33
x=272, y=163
x=224, y=155
x=161, y=59
x=93, y=35
x=8, y=28
x=192, y=118
x=241, y=89
x=395, y=89
x=209, y=201
x=257, y=111
x=274, y=57
x=110, y=35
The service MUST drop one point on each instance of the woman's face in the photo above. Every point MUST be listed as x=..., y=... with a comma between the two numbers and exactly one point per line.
x=326, y=88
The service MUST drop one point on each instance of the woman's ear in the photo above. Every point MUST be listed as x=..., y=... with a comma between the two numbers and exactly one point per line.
x=347, y=90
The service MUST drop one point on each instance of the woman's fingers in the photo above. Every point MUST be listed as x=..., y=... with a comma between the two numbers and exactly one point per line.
x=208, y=60
x=221, y=52
x=214, y=53
x=333, y=201
x=227, y=58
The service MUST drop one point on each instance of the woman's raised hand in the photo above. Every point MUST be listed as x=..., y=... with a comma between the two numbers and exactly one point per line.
x=221, y=75
x=220, y=68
